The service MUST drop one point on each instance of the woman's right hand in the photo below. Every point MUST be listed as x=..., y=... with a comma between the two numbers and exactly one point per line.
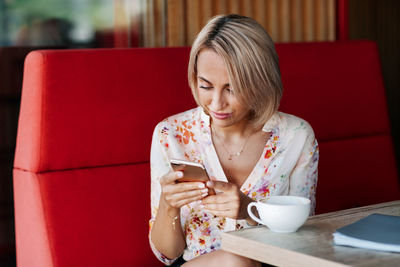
x=176, y=194
x=167, y=233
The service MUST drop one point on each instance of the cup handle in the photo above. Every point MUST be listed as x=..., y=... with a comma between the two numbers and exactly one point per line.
x=251, y=214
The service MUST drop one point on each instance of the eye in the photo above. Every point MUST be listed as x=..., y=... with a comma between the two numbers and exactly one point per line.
x=231, y=91
x=205, y=87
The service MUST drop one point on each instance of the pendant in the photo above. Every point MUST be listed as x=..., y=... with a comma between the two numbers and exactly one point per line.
x=238, y=154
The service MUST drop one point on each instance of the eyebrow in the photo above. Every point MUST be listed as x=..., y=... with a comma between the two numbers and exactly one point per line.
x=207, y=81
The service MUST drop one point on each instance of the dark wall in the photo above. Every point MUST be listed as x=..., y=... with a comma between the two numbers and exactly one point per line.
x=11, y=65
x=380, y=21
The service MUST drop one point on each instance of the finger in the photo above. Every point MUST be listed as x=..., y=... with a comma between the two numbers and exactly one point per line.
x=221, y=207
x=220, y=186
x=182, y=187
x=171, y=177
x=190, y=194
x=214, y=199
x=220, y=198
x=184, y=202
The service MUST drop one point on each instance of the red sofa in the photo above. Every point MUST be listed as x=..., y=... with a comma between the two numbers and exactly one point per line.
x=81, y=176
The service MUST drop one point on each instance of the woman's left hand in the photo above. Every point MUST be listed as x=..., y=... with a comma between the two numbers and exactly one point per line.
x=229, y=202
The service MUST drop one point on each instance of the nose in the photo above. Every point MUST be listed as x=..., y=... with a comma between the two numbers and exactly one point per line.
x=217, y=101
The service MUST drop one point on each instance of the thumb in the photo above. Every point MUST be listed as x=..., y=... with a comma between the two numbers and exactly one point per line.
x=219, y=185
x=171, y=177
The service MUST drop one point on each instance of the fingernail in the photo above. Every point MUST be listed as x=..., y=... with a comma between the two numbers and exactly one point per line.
x=204, y=194
x=204, y=190
x=209, y=183
x=201, y=185
x=179, y=174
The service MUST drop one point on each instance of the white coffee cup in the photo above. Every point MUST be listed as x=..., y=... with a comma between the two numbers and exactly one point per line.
x=281, y=214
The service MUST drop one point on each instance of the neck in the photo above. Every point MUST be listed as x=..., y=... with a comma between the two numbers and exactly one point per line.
x=237, y=131
x=232, y=139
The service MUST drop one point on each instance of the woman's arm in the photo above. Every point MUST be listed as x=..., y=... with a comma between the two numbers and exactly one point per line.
x=166, y=233
x=167, y=197
x=303, y=179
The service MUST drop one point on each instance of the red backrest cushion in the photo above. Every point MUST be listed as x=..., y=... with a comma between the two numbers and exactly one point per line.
x=97, y=107
x=338, y=88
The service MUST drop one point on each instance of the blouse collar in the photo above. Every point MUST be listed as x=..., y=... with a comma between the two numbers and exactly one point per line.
x=272, y=123
x=204, y=117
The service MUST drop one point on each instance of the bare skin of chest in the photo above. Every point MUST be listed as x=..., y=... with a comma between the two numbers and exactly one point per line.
x=238, y=168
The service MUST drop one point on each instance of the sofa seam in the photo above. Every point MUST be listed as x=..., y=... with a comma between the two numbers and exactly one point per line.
x=84, y=167
x=364, y=136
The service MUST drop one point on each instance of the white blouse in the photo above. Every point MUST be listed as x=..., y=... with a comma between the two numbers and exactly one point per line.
x=287, y=166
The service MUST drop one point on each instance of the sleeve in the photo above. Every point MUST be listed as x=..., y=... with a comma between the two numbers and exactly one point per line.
x=159, y=166
x=303, y=179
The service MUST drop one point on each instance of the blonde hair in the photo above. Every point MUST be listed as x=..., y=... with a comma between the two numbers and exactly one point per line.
x=251, y=60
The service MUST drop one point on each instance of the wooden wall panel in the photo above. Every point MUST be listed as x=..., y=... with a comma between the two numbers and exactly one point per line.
x=220, y=6
x=194, y=22
x=148, y=22
x=320, y=20
x=260, y=13
x=308, y=20
x=284, y=21
x=206, y=11
x=159, y=22
x=247, y=8
x=234, y=7
x=331, y=26
x=177, y=22
x=272, y=18
x=121, y=24
x=296, y=20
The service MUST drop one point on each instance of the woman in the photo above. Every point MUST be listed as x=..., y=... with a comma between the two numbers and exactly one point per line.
x=249, y=149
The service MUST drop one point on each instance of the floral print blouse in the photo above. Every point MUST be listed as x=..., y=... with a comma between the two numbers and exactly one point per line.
x=287, y=166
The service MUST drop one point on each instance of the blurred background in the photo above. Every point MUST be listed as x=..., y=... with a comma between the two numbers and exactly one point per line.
x=27, y=25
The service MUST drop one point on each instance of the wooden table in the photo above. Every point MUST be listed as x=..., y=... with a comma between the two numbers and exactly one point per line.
x=312, y=244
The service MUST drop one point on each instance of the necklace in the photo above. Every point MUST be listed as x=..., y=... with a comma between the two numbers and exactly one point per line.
x=231, y=155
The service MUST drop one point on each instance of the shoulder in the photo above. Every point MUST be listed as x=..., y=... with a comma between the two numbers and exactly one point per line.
x=184, y=121
x=293, y=125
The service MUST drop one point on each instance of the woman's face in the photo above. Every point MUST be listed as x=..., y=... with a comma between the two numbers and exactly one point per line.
x=216, y=96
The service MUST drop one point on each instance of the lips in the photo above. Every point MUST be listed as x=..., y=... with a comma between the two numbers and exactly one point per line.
x=220, y=116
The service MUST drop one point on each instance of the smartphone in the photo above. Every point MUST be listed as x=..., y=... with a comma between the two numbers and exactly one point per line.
x=192, y=172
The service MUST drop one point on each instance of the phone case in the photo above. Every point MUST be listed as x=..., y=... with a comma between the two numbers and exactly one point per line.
x=192, y=172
